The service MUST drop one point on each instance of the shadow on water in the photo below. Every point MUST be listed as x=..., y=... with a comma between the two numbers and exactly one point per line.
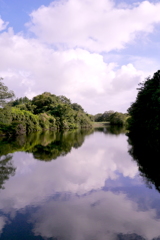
x=145, y=150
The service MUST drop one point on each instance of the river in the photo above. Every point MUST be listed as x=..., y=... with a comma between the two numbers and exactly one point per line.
x=78, y=185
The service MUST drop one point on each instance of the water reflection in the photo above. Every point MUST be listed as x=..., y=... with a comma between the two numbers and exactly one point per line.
x=145, y=150
x=6, y=169
x=91, y=192
x=45, y=145
x=100, y=215
x=112, y=129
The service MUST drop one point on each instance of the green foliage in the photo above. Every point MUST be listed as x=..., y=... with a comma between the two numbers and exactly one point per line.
x=145, y=111
x=46, y=121
x=5, y=94
x=19, y=101
x=144, y=126
x=29, y=120
x=45, y=102
x=118, y=118
x=23, y=104
x=77, y=107
x=5, y=115
x=64, y=115
x=105, y=117
x=19, y=122
x=45, y=111
x=64, y=100
x=62, y=110
x=98, y=117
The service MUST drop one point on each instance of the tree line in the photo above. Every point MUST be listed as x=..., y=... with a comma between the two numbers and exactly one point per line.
x=114, y=118
x=44, y=111
x=145, y=111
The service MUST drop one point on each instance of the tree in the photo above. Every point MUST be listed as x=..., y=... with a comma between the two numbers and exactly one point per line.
x=103, y=117
x=64, y=100
x=44, y=102
x=5, y=94
x=118, y=118
x=107, y=115
x=77, y=107
x=145, y=111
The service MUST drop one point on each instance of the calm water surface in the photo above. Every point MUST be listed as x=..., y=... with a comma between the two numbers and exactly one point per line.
x=82, y=185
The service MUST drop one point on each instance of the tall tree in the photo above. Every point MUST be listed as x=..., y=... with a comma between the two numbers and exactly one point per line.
x=145, y=111
x=5, y=94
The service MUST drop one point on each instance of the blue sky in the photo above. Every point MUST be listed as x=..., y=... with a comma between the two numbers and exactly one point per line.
x=17, y=12
x=93, y=52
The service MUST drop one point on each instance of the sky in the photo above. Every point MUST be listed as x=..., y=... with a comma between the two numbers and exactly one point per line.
x=94, y=52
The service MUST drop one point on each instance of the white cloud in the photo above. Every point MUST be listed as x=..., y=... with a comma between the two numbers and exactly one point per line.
x=3, y=25
x=93, y=25
x=30, y=68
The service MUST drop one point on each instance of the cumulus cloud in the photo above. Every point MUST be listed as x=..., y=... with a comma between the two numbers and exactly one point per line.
x=93, y=25
x=30, y=68
x=82, y=29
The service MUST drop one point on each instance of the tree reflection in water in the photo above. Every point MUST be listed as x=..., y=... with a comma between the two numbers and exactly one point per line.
x=6, y=169
x=112, y=129
x=44, y=146
x=145, y=150
x=115, y=214
x=60, y=146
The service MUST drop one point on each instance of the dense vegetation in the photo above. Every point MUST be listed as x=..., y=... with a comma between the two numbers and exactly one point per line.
x=45, y=111
x=145, y=111
x=144, y=126
x=115, y=118
x=103, y=117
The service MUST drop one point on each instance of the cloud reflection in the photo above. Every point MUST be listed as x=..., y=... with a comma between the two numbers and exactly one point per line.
x=100, y=215
x=102, y=157
x=3, y=221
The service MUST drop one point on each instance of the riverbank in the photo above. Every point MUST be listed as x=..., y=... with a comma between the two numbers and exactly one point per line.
x=100, y=124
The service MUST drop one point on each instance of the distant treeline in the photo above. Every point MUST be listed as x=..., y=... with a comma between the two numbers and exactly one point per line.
x=45, y=111
x=114, y=118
